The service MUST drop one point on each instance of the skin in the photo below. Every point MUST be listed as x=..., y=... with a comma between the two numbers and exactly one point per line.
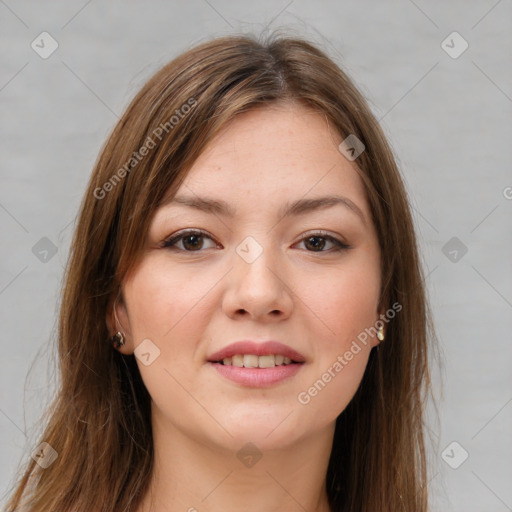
x=310, y=297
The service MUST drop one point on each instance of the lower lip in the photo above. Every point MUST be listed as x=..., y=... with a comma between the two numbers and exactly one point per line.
x=257, y=377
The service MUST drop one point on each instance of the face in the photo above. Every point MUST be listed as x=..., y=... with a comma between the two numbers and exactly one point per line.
x=307, y=277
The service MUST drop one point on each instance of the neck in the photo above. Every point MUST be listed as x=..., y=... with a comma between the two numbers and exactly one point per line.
x=194, y=474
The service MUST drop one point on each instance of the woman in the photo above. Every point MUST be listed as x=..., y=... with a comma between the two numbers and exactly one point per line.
x=244, y=324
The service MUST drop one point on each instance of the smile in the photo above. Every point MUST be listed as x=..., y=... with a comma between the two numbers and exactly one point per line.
x=254, y=361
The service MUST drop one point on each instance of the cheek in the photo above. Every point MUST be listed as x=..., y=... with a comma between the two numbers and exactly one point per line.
x=345, y=304
x=340, y=356
x=166, y=306
x=328, y=395
x=165, y=302
x=344, y=301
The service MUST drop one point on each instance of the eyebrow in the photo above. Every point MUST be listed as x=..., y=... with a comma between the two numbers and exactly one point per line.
x=299, y=207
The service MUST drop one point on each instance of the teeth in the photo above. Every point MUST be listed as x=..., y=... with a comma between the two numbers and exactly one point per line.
x=238, y=360
x=253, y=361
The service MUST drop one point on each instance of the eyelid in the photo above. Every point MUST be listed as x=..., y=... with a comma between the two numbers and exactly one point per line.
x=325, y=234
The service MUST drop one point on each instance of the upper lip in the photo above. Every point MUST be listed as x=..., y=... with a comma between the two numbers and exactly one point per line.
x=259, y=349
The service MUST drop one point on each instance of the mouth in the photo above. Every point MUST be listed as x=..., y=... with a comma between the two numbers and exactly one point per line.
x=257, y=365
x=249, y=354
x=252, y=371
x=255, y=361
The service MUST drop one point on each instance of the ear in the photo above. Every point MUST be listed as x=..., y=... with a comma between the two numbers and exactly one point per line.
x=117, y=320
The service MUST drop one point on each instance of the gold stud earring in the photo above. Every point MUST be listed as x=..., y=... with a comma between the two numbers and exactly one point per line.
x=380, y=333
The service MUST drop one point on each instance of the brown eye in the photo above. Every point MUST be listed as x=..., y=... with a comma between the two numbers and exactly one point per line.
x=318, y=241
x=191, y=241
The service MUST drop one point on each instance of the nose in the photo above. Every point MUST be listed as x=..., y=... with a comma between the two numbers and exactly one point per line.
x=259, y=289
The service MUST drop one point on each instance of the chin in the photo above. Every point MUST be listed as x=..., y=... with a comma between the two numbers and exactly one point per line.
x=267, y=429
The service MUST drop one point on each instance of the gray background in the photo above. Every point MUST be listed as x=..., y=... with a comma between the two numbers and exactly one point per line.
x=448, y=120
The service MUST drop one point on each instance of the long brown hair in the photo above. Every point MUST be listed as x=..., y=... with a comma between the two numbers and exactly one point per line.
x=99, y=422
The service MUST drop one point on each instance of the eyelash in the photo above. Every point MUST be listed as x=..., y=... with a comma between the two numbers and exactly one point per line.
x=170, y=242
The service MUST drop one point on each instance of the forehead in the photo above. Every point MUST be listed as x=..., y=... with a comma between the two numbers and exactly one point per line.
x=271, y=155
